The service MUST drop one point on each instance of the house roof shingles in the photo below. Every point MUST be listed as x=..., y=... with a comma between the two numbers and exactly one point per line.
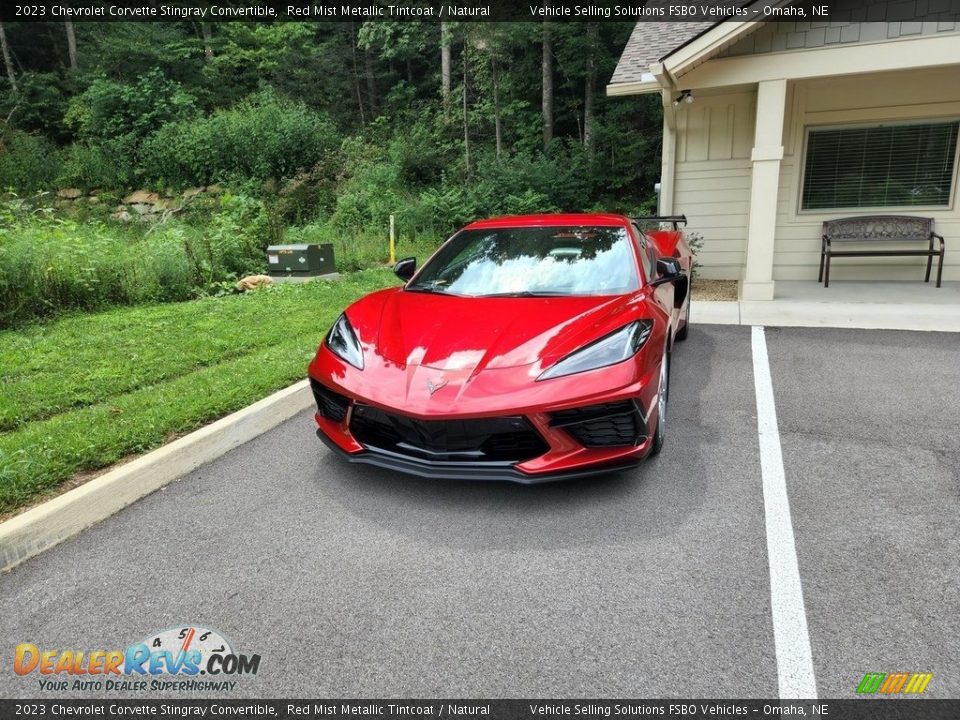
x=650, y=42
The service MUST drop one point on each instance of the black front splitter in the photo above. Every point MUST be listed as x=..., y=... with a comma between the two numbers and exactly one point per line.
x=458, y=470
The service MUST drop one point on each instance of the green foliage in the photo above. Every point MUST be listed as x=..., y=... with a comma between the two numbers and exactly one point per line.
x=27, y=162
x=40, y=105
x=89, y=166
x=263, y=137
x=111, y=120
x=111, y=110
x=330, y=128
x=371, y=191
x=233, y=242
x=49, y=265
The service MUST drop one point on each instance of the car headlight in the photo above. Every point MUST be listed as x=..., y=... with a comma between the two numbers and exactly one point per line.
x=608, y=350
x=343, y=343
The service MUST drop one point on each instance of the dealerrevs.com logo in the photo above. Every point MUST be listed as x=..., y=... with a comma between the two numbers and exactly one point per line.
x=182, y=659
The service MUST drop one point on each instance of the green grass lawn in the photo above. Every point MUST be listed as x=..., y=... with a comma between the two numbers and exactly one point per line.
x=85, y=391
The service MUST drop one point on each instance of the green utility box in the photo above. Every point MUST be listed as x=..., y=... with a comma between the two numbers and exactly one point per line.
x=301, y=260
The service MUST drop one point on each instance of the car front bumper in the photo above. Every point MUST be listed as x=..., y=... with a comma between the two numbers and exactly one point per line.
x=461, y=470
x=531, y=446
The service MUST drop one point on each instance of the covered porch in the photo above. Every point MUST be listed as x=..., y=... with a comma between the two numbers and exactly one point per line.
x=751, y=110
x=896, y=305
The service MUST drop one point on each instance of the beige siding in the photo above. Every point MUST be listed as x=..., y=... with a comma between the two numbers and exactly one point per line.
x=785, y=35
x=713, y=170
x=921, y=95
x=712, y=184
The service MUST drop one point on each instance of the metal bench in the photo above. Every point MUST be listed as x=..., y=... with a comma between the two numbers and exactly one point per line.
x=885, y=229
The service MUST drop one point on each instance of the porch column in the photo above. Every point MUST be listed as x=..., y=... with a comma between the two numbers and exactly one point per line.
x=765, y=178
x=668, y=156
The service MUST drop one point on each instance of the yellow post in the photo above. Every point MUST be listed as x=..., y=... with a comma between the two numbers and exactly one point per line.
x=393, y=243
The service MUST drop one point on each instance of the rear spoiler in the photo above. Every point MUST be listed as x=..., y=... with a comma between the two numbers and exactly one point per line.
x=675, y=219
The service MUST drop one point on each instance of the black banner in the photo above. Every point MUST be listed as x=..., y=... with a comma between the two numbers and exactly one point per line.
x=892, y=709
x=470, y=10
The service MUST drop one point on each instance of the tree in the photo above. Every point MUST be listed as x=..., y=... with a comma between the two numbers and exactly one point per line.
x=372, y=94
x=593, y=34
x=547, y=67
x=466, y=124
x=445, y=65
x=356, y=73
x=530, y=121
x=7, y=60
x=207, y=40
x=494, y=39
x=71, y=44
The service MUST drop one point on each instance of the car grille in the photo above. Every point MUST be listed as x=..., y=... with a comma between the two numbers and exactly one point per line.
x=503, y=439
x=330, y=404
x=607, y=425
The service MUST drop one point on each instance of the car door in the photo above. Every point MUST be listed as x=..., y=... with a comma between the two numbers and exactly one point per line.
x=663, y=294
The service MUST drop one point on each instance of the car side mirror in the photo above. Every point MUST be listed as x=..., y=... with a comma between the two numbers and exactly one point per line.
x=404, y=269
x=668, y=270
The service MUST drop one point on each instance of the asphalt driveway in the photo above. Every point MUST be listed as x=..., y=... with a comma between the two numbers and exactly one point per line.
x=352, y=582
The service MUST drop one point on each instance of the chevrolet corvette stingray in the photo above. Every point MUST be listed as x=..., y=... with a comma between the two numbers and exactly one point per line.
x=527, y=348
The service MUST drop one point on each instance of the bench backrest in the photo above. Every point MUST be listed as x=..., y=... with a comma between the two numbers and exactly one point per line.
x=879, y=227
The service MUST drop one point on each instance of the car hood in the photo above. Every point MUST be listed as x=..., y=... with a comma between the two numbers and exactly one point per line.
x=468, y=335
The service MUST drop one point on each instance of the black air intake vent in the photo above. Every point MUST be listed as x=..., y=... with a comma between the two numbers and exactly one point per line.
x=607, y=425
x=330, y=405
x=502, y=439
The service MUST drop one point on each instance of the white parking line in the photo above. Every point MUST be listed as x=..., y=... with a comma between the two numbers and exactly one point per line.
x=790, y=635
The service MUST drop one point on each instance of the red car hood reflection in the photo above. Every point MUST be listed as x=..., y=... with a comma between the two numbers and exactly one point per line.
x=467, y=335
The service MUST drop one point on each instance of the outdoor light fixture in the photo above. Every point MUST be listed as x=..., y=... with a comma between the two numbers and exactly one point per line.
x=685, y=96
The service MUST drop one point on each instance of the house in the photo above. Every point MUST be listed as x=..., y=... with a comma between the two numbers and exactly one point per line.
x=772, y=127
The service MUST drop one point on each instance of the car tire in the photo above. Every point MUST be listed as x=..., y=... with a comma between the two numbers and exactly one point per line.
x=663, y=395
x=682, y=334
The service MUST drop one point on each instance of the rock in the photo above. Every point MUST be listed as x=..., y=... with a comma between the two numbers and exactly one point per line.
x=191, y=193
x=141, y=197
x=94, y=200
x=144, y=208
x=69, y=193
x=122, y=216
x=252, y=282
x=166, y=204
x=215, y=189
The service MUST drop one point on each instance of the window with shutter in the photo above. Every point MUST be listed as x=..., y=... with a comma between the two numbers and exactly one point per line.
x=899, y=165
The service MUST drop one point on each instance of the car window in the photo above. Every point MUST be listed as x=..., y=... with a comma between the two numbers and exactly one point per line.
x=532, y=261
x=648, y=256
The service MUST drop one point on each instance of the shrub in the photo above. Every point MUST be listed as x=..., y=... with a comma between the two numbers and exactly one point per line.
x=27, y=162
x=50, y=265
x=261, y=138
x=109, y=110
x=89, y=166
x=234, y=241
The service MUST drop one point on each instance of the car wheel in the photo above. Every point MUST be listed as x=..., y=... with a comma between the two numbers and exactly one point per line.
x=663, y=394
x=682, y=335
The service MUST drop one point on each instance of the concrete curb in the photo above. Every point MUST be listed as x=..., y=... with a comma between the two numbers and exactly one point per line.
x=46, y=525
x=801, y=313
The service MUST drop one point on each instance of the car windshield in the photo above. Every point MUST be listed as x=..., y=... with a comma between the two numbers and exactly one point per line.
x=531, y=261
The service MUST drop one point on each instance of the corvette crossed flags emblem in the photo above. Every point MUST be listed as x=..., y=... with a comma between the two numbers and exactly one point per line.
x=432, y=387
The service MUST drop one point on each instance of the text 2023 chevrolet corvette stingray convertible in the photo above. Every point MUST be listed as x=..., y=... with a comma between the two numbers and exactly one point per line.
x=527, y=348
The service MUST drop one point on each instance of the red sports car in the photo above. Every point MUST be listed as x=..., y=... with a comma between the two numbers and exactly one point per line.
x=527, y=348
